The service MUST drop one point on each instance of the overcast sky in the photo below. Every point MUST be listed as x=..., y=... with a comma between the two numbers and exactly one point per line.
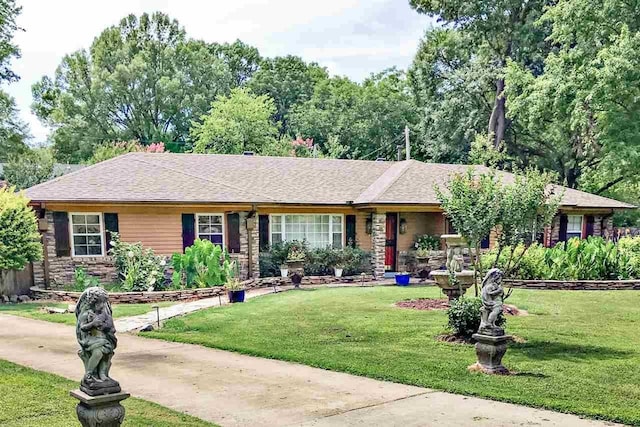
x=349, y=37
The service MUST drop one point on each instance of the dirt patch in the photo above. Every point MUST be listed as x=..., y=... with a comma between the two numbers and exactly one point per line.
x=443, y=304
x=424, y=304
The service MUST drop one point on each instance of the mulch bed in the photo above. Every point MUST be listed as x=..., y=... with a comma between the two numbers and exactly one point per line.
x=443, y=304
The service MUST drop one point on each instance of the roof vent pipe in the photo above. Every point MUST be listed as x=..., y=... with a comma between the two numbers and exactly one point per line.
x=381, y=159
x=247, y=153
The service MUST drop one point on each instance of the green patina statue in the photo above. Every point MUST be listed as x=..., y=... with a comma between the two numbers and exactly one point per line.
x=96, y=335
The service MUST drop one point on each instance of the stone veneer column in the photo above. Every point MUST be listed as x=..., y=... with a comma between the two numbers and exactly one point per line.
x=378, y=241
x=555, y=231
x=607, y=227
x=243, y=256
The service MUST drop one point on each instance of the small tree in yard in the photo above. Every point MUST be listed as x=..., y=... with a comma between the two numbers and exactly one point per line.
x=528, y=206
x=472, y=202
x=19, y=237
x=476, y=204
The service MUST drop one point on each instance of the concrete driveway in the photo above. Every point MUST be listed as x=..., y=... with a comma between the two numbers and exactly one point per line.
x=236, y=390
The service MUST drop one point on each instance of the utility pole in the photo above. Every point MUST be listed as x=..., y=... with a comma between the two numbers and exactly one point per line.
x=406, y=142
x=399, y=148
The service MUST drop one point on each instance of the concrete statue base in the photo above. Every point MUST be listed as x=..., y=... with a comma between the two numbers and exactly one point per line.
x=490, y=349
x=100, y=411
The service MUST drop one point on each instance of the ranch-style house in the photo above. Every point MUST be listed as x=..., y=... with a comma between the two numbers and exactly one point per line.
x=247, y=202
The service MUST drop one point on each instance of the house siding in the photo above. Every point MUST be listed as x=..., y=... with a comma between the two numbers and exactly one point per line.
x=161, y=232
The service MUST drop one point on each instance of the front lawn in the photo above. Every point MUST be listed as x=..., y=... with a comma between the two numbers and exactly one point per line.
x=582, y=350
x=32, y=398
x=33, y=311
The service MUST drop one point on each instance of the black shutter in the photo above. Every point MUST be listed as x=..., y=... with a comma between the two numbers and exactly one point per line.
x=589, y=227
x=233, y=232
x=188, y=230
x=61, y=232
x=562, y=235
x=110, y=226
x=263, y=231
x=350, y=221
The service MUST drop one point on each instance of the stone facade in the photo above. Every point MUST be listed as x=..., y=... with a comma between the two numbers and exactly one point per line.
x=602, y=226
x=243, y=257
x=62, y=269
x=378, y=241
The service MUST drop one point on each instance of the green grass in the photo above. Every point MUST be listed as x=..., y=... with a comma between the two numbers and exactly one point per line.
x=32, y=310
x=582, y=350
x=32, y=398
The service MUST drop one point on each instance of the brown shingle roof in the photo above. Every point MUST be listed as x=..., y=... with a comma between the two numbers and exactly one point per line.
x=208, y=178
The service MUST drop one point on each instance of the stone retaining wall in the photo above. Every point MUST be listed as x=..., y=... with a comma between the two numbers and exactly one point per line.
x=575, y=285
x=190, y=294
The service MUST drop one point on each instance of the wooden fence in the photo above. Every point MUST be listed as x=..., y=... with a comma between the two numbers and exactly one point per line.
x=13, y=282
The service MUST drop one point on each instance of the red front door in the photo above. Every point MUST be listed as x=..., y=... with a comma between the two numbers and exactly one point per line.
x=391, y=242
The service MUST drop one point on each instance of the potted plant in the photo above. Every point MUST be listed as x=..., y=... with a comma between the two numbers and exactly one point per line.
x=235, y=290
x=284, y=270
x=338, y=269
x=402, y=278
x=295, y=262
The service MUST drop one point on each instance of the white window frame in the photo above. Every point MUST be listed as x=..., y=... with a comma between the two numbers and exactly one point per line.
x=331, y=215
x=224, y=226
x=575, y=231
x=72, y=234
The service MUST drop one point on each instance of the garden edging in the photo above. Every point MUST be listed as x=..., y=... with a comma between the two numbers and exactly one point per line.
x=192, y=294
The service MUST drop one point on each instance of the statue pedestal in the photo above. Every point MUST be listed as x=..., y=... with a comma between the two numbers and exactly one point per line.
x=490, y=350
x=100, y=411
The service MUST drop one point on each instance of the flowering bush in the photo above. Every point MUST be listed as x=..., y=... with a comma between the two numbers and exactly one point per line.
x=139, y=269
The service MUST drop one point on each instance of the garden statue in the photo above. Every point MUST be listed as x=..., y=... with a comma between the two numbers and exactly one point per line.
x=99, y=394
x=491, y=341
x=455, y=280
x=492, y=301
x=96, y=335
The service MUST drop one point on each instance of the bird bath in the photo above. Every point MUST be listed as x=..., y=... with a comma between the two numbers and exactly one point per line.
x=454, y=281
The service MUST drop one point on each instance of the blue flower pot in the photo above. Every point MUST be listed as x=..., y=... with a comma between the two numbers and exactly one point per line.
x=236, y=296
x=402, y=279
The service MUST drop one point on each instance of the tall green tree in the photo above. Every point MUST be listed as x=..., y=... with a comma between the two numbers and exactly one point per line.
x=453, y=88
x=288, y=81
x=352, y=120
x=142, y=79
x=9, y=11
x=13, y=131
x=30, y=168
x=237, y=123
x=499, y=31
x=585, y=108
x=243, y=60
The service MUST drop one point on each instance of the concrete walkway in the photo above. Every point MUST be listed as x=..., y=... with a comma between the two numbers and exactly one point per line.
x=142, y=321
x=236, y=390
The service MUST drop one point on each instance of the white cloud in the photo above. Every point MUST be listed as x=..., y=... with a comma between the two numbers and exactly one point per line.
x=351, y=37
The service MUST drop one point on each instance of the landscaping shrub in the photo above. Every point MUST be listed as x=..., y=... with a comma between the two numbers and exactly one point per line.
x=317, y=262
x=138, y=268
x=19, y=237
x=593, y=258
x=82, y=280
x=464, y=317
x=202, y=265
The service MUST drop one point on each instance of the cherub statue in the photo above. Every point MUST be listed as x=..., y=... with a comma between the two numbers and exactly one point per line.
x=96, y=335
x=492, y=301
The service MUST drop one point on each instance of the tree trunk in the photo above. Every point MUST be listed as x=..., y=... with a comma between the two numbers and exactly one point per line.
x=498, y=119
